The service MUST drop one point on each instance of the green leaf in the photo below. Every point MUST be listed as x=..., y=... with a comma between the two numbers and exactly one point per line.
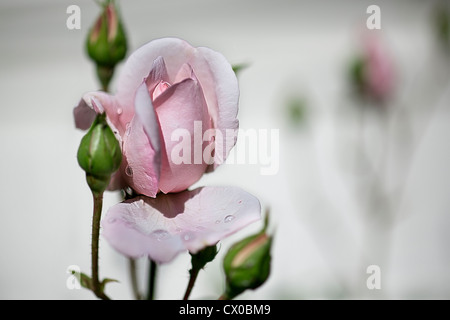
x=105, y=281
x=86, y=281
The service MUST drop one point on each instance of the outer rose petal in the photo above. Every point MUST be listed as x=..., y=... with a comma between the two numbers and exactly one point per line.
x=141, y=168
x=181, y=110
x=83, y=115
x=221, y=90
x=164, y=226
x=175, y=53
x=157, y=73
x=98, y=102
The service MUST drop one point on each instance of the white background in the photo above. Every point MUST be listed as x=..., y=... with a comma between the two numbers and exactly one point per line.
x=294, y=49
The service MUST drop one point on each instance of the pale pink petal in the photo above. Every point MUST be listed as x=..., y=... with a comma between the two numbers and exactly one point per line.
x=221, y=90
x=157, y=74
x=184, y=73
x=175, y=53
x=183, y=116
x=164, y=226
x=142, y=157
x=145, y=112
x=99, y=102
x=84, y=115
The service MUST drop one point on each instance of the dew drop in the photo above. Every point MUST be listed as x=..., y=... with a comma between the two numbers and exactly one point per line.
x=188, y=236
x=119, y=111
x=159, y=234
x=240, y=201
x=218, y=221
x=129, y=171
x=229, y=218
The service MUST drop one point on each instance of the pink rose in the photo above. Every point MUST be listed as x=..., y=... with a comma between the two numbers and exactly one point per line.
x=173, y=102
x=165, y=86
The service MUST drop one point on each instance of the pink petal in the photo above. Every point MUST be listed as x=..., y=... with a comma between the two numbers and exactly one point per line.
x=83, y=115
x=221, y=91
x=99, y=102
x=169, y=224
x=142, y=160
x=183, y=116
x=157, y=74
x=175, y=53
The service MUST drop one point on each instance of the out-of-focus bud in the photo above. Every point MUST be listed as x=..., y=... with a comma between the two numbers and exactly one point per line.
x=106, y=43
x=372, y=72
x=441, y=21
x=247, y=264
x=99, y=154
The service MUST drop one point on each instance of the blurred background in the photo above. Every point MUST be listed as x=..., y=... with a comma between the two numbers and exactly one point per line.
x=363, y=154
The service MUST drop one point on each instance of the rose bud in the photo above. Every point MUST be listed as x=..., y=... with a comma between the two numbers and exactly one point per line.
x=99, y=154
x=372, y=72
x=247, y=264
x=106, y=43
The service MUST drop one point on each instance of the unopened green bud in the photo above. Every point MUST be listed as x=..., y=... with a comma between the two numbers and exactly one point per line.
x=106, y=43
x=99, y=154
x=247, y=264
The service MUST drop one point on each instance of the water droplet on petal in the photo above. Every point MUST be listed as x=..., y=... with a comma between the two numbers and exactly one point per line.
x=229, y=218
x=119, y=111
x=240, y=201
x=159, y=234
x=129, y=171
x=218, y=221
x=188, y=236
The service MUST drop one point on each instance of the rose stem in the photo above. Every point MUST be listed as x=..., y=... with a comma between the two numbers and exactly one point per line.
x=151, y=279
x=134, y=282
x=98, y=202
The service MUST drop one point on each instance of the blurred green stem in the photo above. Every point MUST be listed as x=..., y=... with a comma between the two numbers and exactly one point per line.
x=133, y=278
x=151, y=279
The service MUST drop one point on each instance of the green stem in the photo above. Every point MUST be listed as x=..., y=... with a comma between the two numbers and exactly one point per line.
x=151, y=279
x=193, y=276
x=105, y=74
x=134, y=282
x=98, y=203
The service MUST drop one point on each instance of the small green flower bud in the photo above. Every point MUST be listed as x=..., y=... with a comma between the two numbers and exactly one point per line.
x=247, y=264
x=99, y=154
x=106, y=43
